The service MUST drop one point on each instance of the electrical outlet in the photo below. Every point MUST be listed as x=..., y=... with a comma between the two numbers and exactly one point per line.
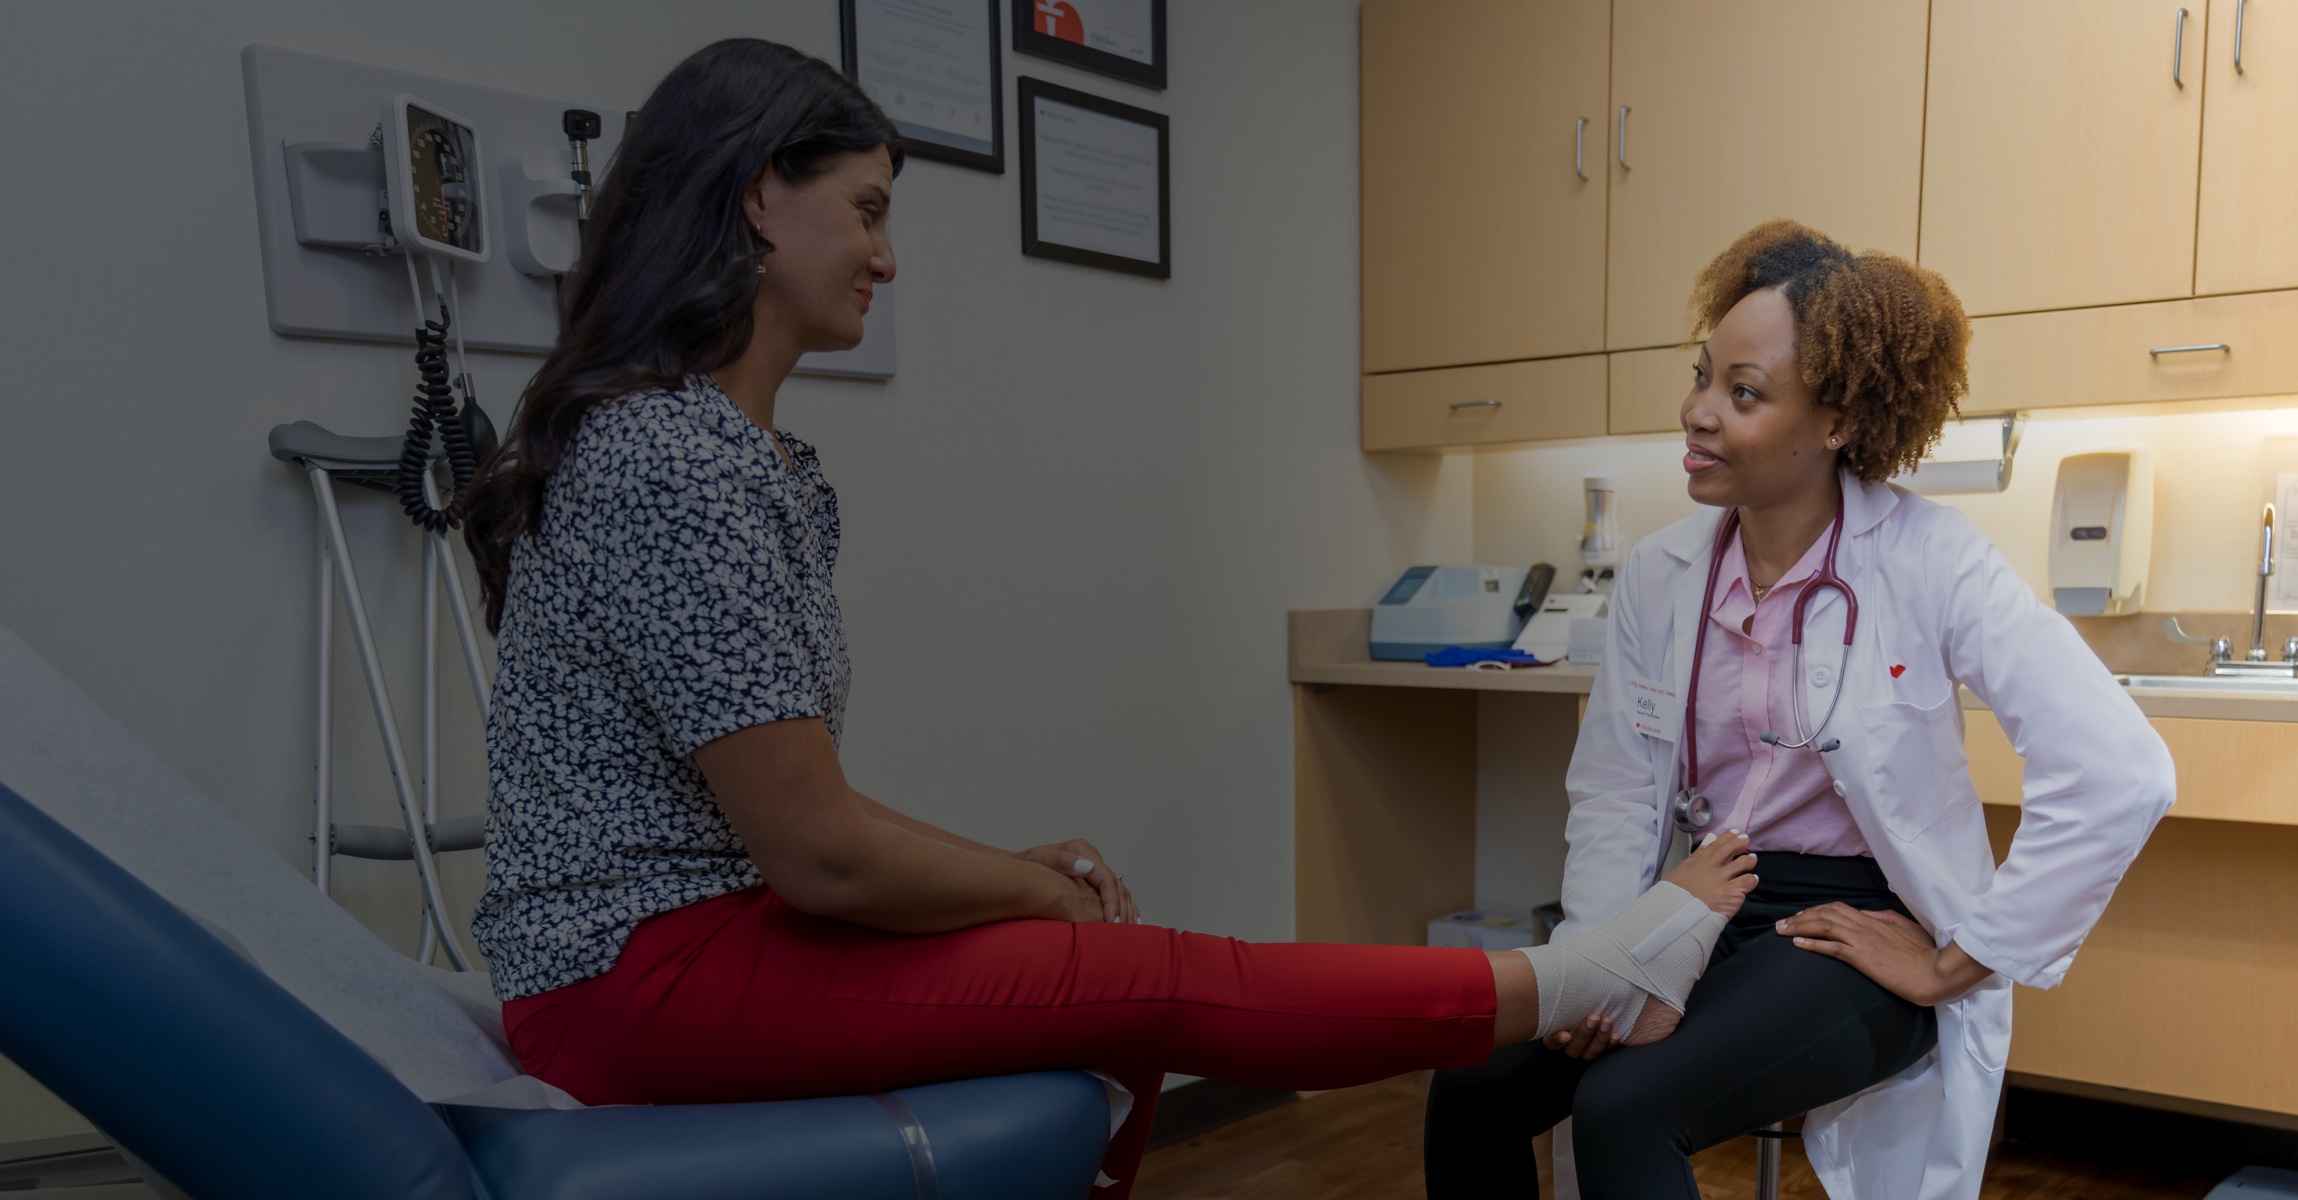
x=2283, y=594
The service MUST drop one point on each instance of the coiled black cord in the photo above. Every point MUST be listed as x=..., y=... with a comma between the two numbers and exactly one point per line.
x=435, y=416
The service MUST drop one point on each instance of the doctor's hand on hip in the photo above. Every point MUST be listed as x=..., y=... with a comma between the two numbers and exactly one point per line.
x=1889, y=949
x=1083, y=861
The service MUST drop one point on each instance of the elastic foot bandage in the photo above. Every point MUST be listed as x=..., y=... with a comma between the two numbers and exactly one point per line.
x=1656, y=948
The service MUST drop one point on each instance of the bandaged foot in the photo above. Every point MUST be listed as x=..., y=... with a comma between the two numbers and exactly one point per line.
x=1656, y=948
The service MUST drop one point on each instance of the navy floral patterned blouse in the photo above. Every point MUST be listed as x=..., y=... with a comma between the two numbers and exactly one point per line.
x=677, y=590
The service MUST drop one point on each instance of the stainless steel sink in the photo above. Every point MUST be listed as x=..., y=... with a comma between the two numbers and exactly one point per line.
x=2253, y=684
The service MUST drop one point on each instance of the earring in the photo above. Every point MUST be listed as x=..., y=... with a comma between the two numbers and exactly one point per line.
x=1832, y=440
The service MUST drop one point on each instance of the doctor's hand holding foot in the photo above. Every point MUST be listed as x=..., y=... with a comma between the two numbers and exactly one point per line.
x=1720, y=874
x=1634, y=971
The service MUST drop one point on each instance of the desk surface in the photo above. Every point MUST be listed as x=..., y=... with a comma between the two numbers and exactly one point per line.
x=1333, y=646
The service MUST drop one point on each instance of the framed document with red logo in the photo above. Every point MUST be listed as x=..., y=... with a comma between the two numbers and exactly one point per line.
x=1095, y=179
x=932, y=65
x=1124, y=39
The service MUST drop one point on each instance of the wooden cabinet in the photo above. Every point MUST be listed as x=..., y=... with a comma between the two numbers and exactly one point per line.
x=2204, y=911
x=2246, y=233
x=2054, y=159
x=1462, y=407
x=1482, y=243
x=2227, y=770
x=1738, y=111
x=2136, y=353
x=2060, y=153
x=1648, y=389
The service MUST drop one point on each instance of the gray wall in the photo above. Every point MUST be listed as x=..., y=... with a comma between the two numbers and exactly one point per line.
x=1074, y=521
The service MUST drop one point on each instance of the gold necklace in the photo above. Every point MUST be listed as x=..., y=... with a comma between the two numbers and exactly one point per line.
x=1760, y=589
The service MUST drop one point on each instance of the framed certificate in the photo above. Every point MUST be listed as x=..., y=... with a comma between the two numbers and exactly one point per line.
x=1095, y=180
x=933, y=66
x=1120, y=38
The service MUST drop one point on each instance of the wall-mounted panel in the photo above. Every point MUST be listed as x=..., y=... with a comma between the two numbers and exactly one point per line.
x=329, y=292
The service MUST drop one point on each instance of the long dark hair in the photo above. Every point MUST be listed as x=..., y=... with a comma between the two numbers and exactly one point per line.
x=669, y=264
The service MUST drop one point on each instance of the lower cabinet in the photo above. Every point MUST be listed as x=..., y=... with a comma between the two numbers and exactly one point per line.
x=1463, y=407
x=2199, y=926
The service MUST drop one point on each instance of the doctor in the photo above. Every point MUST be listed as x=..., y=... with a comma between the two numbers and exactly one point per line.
x=1867, y=981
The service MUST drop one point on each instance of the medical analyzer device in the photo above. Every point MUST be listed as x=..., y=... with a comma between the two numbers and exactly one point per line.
x=1430, y=608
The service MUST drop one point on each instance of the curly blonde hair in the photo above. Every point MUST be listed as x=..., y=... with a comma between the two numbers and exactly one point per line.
x=1876, y=336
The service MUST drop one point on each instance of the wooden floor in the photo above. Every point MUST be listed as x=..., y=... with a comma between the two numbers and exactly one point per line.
x=1364, y=1144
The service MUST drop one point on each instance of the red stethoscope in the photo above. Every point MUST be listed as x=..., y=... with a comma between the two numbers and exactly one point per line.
x=1692, y=809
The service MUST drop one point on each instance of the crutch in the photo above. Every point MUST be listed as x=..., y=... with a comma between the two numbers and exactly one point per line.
x=373, y=462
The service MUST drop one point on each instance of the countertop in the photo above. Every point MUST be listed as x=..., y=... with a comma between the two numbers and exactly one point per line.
x=1332, y=646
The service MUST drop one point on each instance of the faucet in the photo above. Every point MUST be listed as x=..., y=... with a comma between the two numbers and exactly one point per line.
x=2222, y=660
x=2265, y=572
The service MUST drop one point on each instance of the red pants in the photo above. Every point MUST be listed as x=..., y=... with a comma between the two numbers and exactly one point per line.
x=745, y=998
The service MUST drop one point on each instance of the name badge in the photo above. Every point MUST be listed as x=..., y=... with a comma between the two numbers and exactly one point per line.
x=1653, y=708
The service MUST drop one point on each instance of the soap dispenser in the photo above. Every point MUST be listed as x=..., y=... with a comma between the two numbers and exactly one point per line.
x=2102, y=531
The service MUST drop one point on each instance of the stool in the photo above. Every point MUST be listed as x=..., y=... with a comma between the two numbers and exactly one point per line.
x=1767, y=1140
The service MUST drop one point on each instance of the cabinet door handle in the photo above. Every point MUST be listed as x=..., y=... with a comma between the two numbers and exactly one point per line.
x=1580, y=148
x=2178, y=50
x=2159, y=351
x=2239, y=7
x=1457, y=405
x=1623, y=138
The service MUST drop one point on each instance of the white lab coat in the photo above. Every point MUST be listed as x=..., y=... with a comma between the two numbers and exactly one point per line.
x=1936, y=597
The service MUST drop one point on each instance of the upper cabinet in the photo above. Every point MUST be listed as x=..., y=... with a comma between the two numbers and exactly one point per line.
x=2246, y=237
x=1483, y=180
x=2060, y=158
x=2105, y=183
x=1730, y=112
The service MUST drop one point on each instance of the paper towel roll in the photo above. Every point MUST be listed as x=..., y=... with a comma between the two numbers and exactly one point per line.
x=1946, y=478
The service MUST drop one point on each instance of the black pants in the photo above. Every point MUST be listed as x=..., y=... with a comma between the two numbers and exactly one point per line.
x=1770, y=1031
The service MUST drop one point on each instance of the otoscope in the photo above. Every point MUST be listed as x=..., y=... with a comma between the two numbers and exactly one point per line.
x=581, y=126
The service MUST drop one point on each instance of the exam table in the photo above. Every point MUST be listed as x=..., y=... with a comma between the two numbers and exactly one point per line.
x=236, y=1034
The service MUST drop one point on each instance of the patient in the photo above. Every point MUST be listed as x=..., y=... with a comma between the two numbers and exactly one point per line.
x=686, y=902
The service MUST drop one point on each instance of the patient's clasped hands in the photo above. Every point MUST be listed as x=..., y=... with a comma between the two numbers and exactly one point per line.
x=1102, y=894
x=1598, y=982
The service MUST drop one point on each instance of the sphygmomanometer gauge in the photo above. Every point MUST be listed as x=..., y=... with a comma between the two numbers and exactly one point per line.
x=433, y=172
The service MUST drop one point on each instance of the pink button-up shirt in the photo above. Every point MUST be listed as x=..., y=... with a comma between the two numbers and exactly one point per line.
x=1783, y=799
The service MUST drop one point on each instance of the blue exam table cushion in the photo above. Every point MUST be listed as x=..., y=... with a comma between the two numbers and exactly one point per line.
x=1033, y=1135
x=227, y=1025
